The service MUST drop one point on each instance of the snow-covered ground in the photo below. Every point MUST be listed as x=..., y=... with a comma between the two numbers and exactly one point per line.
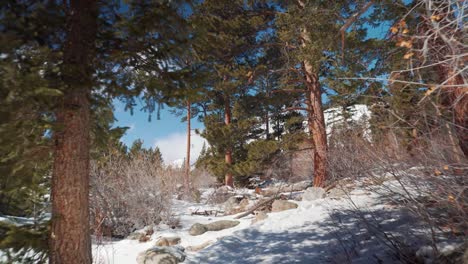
x=308, y=234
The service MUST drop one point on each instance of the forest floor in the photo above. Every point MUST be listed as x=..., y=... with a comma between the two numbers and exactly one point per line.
x=359, y=227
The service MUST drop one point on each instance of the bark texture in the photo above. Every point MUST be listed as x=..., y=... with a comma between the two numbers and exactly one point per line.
x=316, y=119
x=70, y=236
x=228, y=180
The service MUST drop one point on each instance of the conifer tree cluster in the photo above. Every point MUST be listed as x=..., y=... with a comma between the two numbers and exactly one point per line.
x=259, y=74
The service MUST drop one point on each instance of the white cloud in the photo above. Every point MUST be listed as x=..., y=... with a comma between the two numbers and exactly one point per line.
x=131, y=128
x=173, y=147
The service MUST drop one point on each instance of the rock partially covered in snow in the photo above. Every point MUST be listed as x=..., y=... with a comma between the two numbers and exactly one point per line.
x=281, y=205
x=221, y=224
x=336, y=193
x=313, y=193
x=447, y=253
x=198, y=229
x=200, y=247
x=136, y=236
x=167, y=241
x=162, y=255
x=236, y=204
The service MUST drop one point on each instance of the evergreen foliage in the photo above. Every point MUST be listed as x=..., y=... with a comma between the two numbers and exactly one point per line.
x=244, y=68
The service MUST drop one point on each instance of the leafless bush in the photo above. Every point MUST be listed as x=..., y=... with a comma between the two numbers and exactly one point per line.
x=128, y=193
x=292, y=166
x=430, y=181
x=202, y=178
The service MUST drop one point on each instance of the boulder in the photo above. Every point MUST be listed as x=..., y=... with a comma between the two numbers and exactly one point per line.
x=144, y=239
x=244, y=203
x=231, y=203
x=197, y=229
x=221, y=224
x=167, y=241
x=298, y=186
x=162, y=255
x=336, y=193
x=313, y=193
x=282, y=205
x=200, y=247
x=136, y=236
x=236, y=204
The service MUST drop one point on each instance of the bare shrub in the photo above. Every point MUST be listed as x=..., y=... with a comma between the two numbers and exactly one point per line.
x=429, y=181
x=292, y=165
x=202, y=178
x=128, y=193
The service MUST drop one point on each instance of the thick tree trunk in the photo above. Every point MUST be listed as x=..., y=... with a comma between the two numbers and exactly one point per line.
x=70, y=236
x=317, y=128
x=316, y=118
x=187, y=159
x=228, y=180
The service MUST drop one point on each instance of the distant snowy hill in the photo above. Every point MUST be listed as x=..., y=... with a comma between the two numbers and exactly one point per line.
x=355, y=115
x=335, y=119
x=178, y=163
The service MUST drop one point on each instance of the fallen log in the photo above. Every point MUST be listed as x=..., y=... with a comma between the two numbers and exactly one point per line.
x=255, y=207
x=295, y=187
x=206, y=212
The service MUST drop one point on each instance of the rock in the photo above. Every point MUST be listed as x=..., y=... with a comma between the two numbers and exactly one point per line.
x=259, y=216
x=197, y=229
x=221, y=224
x=200, y=247
x=281, y=205
x=225, y=189
x=244, y=203
x=142, y=235
x=236, y=204
x=136, y=236
x=167, y=241
x=230, y=203
x=144, y=239
x=313, y=193
x=162, y=255
x=336, y=193
x=300, y=185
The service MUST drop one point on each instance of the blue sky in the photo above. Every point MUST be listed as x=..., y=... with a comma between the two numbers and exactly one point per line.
x=168, y=133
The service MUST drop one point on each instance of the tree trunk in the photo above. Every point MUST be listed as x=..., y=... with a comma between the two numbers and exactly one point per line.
x=317, y=128
x=316, y=118
x=267, y=126
x=187, y=160
x=70, y=236
x=228, y=180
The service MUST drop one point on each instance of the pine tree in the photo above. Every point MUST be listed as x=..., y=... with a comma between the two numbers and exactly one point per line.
x=74, y=60
x=70, y=237
x=314, y=51
x=226, y=41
